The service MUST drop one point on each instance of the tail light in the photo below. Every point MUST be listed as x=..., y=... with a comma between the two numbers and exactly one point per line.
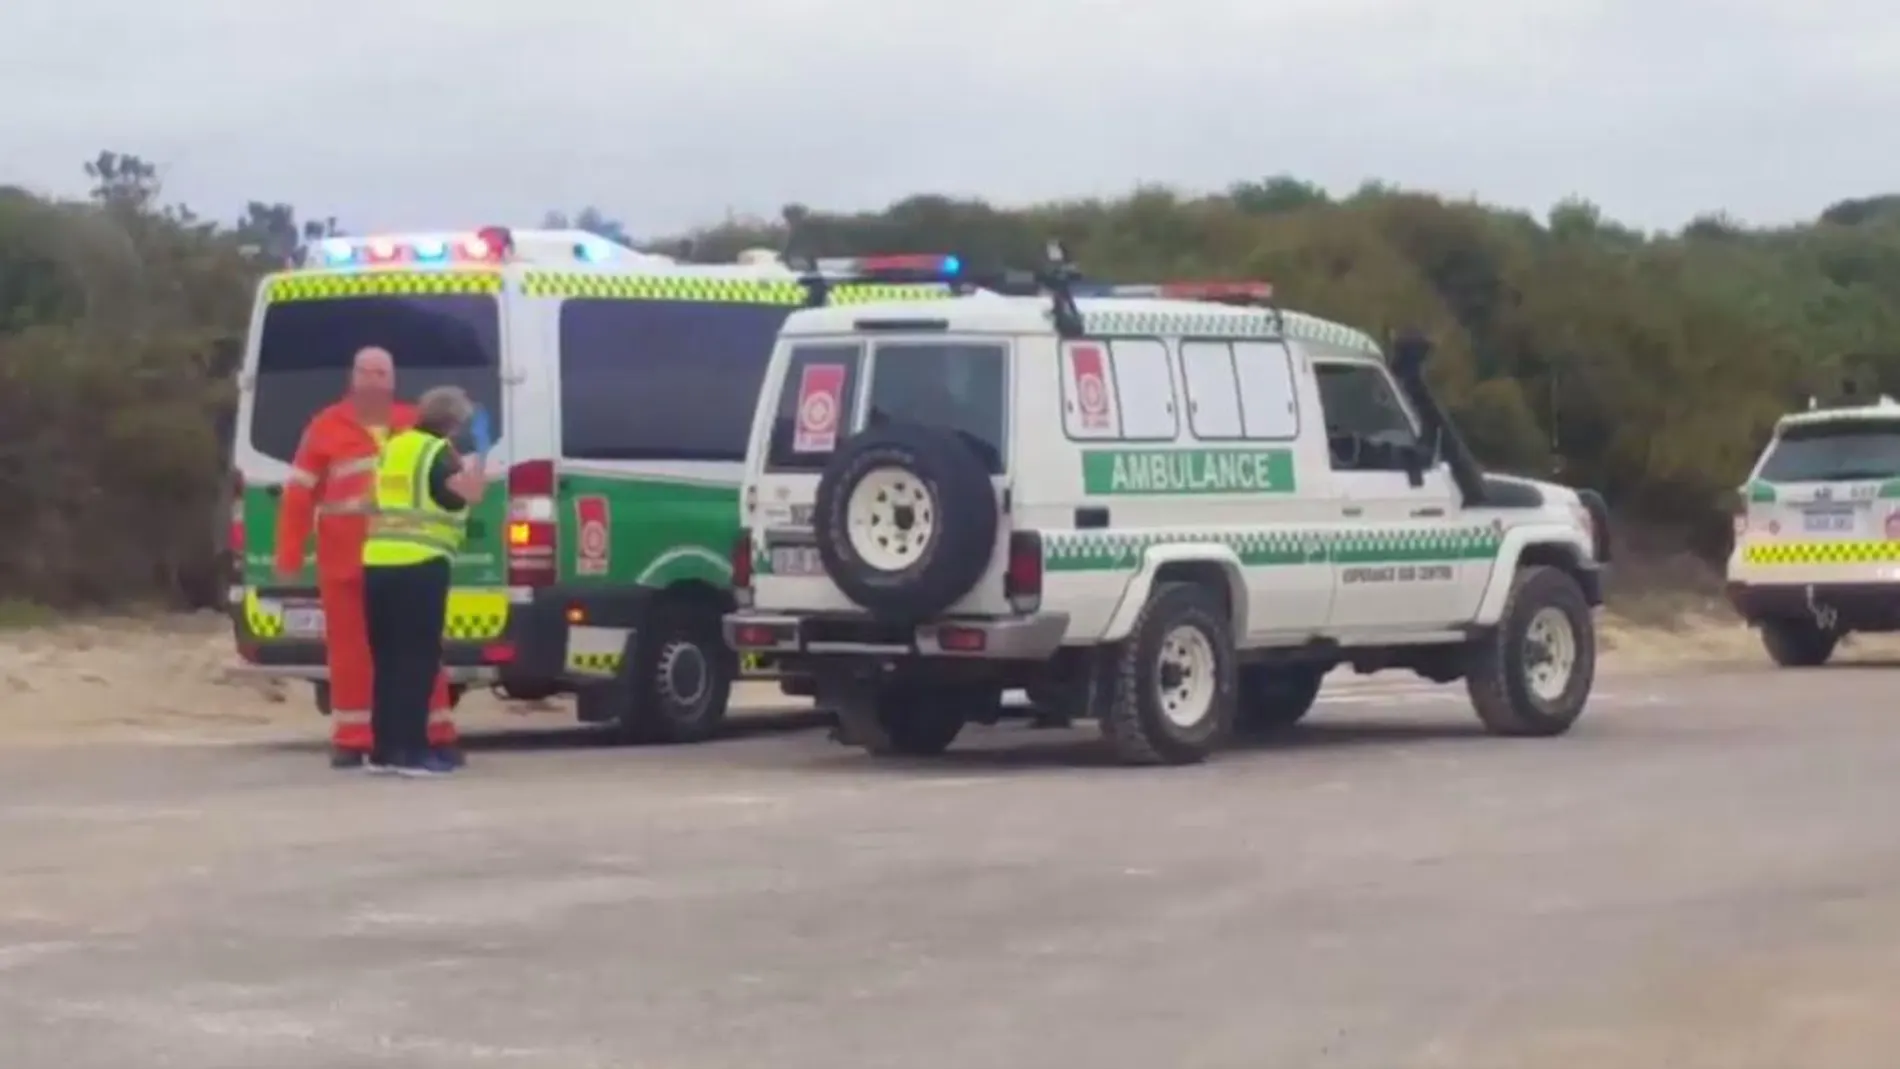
x=1022, y=582
x=742, y=569
x=234, y=534
x=1738, y=512
x=534, y=535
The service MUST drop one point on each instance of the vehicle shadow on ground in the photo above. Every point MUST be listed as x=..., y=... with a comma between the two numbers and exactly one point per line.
x=1014, y=747
x=590, y=736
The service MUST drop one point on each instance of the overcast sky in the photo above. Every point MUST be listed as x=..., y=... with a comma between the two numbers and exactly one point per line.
x=423, y=113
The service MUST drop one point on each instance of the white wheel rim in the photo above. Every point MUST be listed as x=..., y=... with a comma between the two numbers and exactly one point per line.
x=1184, y=682
x=890, y=519
x=1550, y=654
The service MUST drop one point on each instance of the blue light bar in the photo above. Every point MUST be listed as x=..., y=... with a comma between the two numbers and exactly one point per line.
x=925, y=267
x=338, y=251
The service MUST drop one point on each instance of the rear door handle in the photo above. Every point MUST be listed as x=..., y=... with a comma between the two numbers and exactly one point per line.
x=1428, y=512
x=1354, y=510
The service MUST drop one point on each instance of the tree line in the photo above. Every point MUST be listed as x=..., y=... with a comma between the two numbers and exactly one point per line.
x=1647, y=365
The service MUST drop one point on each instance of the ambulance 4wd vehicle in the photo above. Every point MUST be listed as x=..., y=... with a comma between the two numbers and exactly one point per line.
x=618, y=390
x=1817, y=532
x=1176, y=516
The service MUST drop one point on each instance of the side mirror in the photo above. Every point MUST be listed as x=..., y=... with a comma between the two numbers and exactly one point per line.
x=1417, y=460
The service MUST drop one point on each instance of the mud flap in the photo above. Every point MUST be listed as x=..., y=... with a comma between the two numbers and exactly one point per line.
x=610, y=701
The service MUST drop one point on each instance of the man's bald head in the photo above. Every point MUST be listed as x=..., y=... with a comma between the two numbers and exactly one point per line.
x=372, y=377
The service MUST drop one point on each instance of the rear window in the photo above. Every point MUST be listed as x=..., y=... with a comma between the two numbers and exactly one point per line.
x=1828, y=452
x=958, y=385
x=814, y=406
x=305, y=349
x=662, y=380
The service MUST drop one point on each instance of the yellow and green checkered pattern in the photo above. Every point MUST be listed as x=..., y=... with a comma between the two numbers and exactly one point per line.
x=788, y=292
x=328, y=286
x=1771, y=553
x=593, y=664
x=474, y=615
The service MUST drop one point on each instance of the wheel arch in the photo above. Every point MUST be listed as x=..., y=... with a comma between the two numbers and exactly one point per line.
x=1550, y=545
x=1209, y=564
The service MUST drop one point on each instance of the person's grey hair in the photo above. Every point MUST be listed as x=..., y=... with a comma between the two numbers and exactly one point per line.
x=444, y=410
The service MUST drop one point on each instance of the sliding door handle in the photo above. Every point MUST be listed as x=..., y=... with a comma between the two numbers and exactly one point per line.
x=1428, y=512
x=1354, y=510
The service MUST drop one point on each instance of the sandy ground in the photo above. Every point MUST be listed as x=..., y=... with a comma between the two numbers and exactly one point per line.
x=1696, y=878
x=169, y=679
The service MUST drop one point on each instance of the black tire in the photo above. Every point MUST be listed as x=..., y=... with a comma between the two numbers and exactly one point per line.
x=1798, y=643
x=960, y=504
x=1128, y=695
x=912, y=721
x=678, y=672
x=1275, y=696
x=1501, y=662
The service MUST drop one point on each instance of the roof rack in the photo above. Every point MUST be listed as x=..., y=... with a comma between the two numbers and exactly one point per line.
x=1057, y=278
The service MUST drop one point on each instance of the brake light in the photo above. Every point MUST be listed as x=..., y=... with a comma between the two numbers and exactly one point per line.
x=742, y=569
x=534, y=535
x=234, y=535
x=1022, y=581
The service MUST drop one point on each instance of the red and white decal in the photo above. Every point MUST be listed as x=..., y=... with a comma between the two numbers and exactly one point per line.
x=820, y=399
x=1091, y=386
x=593, y=547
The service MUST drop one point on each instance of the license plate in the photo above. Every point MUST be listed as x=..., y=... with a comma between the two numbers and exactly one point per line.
x=1831, y=522
x=303, y=621
x=796, y=560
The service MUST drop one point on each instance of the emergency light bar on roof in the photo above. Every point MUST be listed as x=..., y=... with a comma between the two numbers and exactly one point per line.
x=492, y=245
x=1057, y=278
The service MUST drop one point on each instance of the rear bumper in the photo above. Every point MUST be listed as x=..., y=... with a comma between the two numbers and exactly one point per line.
x=1856, y=606
x=1035, y=637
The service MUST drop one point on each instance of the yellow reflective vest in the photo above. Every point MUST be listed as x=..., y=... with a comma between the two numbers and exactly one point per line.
x=407, y=526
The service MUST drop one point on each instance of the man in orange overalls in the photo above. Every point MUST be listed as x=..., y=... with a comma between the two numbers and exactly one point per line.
x=331, y=489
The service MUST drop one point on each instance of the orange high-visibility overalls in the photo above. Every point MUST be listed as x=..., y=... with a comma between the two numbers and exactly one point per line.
x=332, y=488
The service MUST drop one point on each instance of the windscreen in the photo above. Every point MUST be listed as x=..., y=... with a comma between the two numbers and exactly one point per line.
x=305, y=349
x=1834, y=451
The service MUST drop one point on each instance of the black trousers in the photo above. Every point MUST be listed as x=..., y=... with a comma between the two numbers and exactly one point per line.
x=404, y=606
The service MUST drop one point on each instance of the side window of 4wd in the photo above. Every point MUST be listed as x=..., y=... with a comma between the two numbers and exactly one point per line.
x=1240, y=390
x=1121, y=390
x=1367, y=426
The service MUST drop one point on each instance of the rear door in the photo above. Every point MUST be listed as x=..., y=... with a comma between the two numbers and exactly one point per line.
x=306, y=332
x=830, y=389
x=1826, y=499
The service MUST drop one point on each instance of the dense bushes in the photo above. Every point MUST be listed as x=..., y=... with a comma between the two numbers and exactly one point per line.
x=1646, y=365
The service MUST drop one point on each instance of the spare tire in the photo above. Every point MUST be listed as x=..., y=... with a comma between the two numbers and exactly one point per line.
x=906, y=520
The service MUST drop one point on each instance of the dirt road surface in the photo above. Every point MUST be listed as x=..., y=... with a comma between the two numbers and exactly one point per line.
x=1700, y=876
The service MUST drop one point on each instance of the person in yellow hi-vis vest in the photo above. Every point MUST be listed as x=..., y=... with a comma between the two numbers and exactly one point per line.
x=423, y=494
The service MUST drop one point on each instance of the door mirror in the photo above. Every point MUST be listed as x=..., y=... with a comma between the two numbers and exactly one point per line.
x=1417, y=459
